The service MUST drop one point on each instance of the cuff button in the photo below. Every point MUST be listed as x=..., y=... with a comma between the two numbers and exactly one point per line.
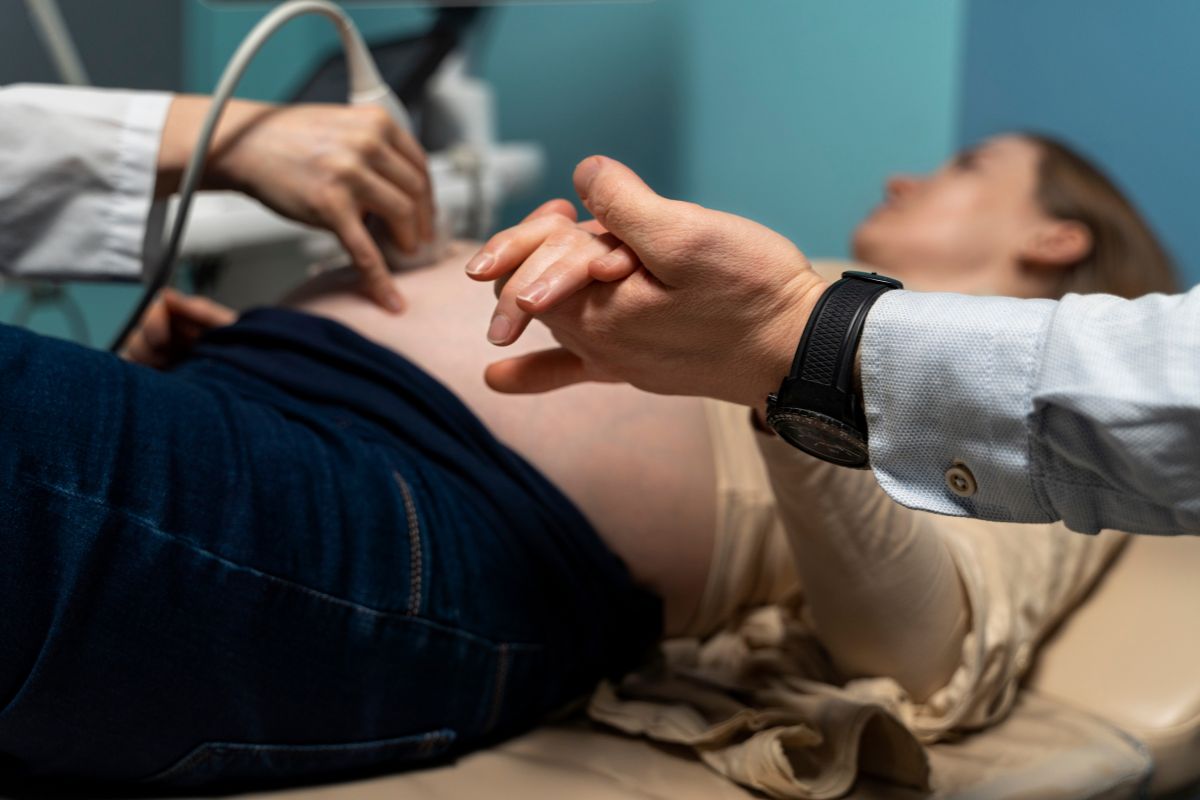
x=961, y=481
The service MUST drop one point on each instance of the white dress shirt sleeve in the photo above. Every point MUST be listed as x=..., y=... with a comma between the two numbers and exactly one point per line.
x=1085, y=410
x=77, y=178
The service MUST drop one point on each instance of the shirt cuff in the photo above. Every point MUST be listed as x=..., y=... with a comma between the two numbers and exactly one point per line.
x=135, y=219
x=947, y=383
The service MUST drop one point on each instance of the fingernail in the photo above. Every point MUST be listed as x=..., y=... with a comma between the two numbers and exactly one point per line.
x=480, y=263
x=534, y=294
x=394, y=303
x=498, y=332
x=587, y=171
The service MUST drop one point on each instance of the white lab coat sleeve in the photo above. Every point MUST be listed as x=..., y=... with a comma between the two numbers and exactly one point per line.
x=77, y=177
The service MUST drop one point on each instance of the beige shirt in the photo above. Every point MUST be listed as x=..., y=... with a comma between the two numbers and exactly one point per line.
x=755, y=693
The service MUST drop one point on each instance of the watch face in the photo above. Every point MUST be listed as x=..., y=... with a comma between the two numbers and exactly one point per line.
x=821, y=436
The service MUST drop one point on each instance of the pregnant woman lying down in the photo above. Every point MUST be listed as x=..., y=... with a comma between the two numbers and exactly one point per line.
x=321, y=545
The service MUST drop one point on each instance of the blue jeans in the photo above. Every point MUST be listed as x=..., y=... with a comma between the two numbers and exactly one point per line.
x=295, y=557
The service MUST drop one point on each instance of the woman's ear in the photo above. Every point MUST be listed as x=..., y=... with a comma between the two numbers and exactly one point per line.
x=1058, y=244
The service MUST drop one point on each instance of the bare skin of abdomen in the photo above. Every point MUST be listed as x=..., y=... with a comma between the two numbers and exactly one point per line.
x=638, y=466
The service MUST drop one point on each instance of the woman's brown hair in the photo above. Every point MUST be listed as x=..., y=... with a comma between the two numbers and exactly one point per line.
x=1126, y=258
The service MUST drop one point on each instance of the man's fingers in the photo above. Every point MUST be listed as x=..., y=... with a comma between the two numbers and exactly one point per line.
x=655, y=228
x=377, y=281
x=620, y=200
x=615, y=266
x=543, y=371
x=593, y=226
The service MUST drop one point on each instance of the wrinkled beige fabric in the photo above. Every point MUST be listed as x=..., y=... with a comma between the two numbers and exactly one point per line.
x=762, y=700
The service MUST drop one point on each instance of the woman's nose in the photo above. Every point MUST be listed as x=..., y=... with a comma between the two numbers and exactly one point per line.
x=900, y=185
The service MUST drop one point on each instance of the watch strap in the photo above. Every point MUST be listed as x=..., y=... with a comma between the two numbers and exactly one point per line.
x=822, y=374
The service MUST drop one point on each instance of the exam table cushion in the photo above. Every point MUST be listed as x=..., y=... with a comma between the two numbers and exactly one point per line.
x=1130, y=654
x=1043, y=750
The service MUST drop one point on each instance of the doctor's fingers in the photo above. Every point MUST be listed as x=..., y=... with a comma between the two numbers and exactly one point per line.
x=347, y=223
x=412, y=180
x=556, y=271
x=407, y=145
x=392, y=207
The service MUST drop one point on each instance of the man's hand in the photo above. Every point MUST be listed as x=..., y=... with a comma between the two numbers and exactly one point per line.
x=556, y=257
x=715, y=304
x=327, y=166
x=171, y=326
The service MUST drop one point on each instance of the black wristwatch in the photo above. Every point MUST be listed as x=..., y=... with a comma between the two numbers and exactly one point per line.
x=817, y=408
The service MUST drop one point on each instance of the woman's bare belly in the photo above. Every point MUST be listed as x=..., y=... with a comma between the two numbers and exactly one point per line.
x=639, y=466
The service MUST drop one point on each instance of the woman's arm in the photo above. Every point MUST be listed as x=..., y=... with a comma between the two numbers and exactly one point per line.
x=952, y=609
x=881, y=584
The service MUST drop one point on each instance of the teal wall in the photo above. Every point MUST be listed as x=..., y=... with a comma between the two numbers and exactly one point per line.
x=213, y=30
x=788, y=111
x=796, y=110
x=1117, y=81
x=598, y=78
x=579, y=78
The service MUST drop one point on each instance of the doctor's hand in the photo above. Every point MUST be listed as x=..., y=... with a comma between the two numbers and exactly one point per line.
x=327, y=166
x=714, y=306
x=171, y=326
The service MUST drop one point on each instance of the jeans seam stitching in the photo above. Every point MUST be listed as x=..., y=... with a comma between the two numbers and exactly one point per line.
x=498, y=690
x=339, y=601
x=416, y=571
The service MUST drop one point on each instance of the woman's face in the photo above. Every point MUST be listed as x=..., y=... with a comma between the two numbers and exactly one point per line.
x=965, y=227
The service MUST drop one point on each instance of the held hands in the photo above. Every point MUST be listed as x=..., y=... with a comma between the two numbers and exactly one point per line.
x=689, y=300
x=327, y=166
